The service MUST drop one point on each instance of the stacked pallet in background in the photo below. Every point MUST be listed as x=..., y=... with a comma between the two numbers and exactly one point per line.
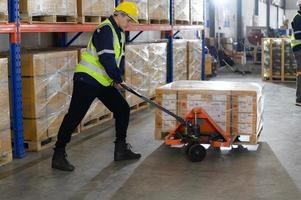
x=48, y=11
x=181, y=11
x=3, y=11
x=180, y=60
x=196, y=12
x=5, y=133
x=93, y=11
x=194, y=59
x=237, y=108
x=143, y=10
x=158, y=11
x=46, y=93
x=145, y=69
x=278, y=63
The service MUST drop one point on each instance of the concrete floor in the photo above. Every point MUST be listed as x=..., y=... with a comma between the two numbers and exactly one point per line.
x=271, y=172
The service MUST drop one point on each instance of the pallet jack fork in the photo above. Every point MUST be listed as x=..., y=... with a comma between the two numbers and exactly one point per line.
x=197, y=128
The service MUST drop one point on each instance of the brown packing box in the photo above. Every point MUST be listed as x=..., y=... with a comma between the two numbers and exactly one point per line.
x=194, y=59
x=208, y=64
x=167, y=98
x=180, y=60
x=97, y=109
x=158, y=9
x=5, y=147
x=37, y=7
x=142, y=7
x=182, y=10
x=95, y=7
x=35, y=129
x=4, y=97
x=196, y=10
x=3, y=7
x=66, y=7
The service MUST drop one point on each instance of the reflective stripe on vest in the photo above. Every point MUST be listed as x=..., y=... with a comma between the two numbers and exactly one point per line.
x=90, y=63
x=295, y=42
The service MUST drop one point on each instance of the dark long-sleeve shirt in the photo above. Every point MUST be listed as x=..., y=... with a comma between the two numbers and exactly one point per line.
x=102, y=39
x=296, y=25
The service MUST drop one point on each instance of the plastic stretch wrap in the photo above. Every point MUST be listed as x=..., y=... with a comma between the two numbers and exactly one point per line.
x=180, y=60
x=37, y=7
x=48, y=7
x=194, y=59
x=278, y=59
x=4, y=97
x=47, y=80
x=237, y=108
x=96, y=7
x=142, y=6
x=66, y=7
x=197, y=10
x=145, y=68
x=181, y=10
x=3, y=7
x=5, y=147
x=158, y=9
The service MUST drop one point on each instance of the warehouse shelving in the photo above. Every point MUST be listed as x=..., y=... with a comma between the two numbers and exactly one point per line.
x=15, y=28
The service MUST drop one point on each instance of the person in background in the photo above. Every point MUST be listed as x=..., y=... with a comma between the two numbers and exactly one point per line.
x=296, y=45
x=98, y=75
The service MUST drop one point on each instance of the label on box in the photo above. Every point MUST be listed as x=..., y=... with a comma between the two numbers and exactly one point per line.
x=245, y=99
x=244, y=107
x=245, y=128
x=169, y=96
x=245, y=117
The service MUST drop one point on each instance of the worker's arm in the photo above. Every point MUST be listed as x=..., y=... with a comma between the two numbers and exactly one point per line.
x=103, y=42
x=296, y=25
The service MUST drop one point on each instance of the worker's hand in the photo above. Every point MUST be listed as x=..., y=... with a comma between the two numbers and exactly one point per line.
x=119, y=85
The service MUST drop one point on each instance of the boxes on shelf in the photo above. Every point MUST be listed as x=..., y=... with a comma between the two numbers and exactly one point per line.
x=48, y=11
x=278, y=63
x=194, y=59
x=143, y=11
x=196, y=12
x=158, y=11
x=208, y=65
x=5, y=134
x=46, y=91
x=3, y=11
x=180, y=60
x=145, y=68
x=237, y=108
x=181, y=11
x=93, y=10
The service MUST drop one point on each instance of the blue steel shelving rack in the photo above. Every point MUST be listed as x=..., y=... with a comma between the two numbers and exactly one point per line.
x=14, y=28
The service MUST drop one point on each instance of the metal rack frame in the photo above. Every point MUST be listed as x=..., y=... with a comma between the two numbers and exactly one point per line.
x=14, y=28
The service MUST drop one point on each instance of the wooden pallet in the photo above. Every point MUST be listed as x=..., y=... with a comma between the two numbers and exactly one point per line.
x=4, y=159
x=3, y=18
x=91, y=19
x=48, y=19
x=197, y=23
x=143, y=21
x=39, y=145
x=278, y=79
x=159, y=21
x=139, y=106
x=182, y=22
x=96, y=121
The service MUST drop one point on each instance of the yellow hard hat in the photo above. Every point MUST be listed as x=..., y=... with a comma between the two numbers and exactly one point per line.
x=130, y=9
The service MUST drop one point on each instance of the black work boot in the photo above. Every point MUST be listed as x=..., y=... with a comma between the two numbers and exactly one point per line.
x=59, y=161
x=123, y=152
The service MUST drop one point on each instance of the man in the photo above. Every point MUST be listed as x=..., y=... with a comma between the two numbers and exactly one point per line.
x=296, y=45
x=98, y=75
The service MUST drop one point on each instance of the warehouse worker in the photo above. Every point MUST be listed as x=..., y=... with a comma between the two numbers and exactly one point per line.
x=296, y=45
x=98, y=75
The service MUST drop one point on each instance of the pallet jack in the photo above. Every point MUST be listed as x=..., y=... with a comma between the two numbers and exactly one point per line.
x=197, y=128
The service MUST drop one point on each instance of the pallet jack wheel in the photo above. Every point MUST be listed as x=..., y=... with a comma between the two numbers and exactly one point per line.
x=188, y=146
x=197, y=153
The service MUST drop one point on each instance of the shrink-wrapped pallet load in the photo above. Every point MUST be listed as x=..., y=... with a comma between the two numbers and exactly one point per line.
x=46, y=91
x=5, y=133
x=236, y=108
x=180, y=60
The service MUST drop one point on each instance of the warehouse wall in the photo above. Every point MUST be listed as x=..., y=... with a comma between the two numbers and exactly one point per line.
x=262, y=17
x=291, y=4
x=248, y=7
x=225, y=16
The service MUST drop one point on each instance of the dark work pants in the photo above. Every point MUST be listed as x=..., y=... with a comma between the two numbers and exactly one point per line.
x=82, y=97
x=298, y=91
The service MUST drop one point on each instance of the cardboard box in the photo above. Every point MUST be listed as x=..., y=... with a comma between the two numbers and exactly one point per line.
x=180, y=60
x=158, y=9
x=5, y=147
x=194, y=59
x=182, y=10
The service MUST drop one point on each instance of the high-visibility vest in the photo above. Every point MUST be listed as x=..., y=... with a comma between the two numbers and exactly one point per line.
x=90, y=61
x=294, y=41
